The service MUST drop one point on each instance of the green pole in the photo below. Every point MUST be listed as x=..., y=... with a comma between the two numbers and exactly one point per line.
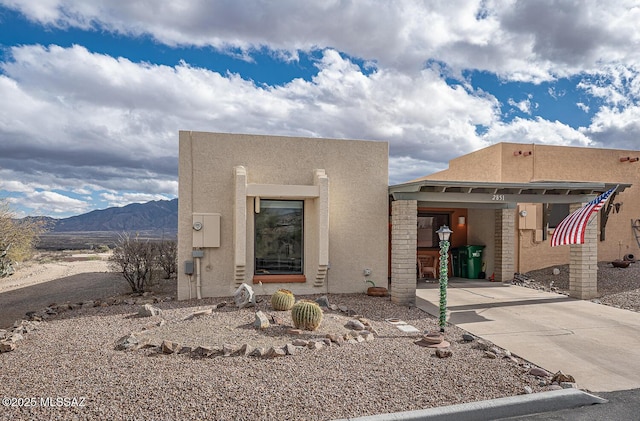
x=444, y=277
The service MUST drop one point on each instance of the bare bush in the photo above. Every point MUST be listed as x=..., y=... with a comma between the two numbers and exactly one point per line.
x=135, y=258
x=18, y=237
x=168, y=257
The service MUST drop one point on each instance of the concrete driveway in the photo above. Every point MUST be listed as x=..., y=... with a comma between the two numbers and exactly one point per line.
x=597, y=344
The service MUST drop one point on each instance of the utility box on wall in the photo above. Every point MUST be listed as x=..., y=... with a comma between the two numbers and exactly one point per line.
x=206, y=230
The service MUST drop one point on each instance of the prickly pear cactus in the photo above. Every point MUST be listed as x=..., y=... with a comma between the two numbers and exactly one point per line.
x=306, y=315
x=282, y=299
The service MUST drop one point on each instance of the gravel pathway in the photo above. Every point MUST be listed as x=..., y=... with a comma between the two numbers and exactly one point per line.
x=73, y=356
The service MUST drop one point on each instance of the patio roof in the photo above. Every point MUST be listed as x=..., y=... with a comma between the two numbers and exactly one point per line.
x=495, y=195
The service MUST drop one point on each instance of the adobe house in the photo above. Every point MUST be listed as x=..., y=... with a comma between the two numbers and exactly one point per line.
x=308, y=215
x=508, y=197
x=311, y=215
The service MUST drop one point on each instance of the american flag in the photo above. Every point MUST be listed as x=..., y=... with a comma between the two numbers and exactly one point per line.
x=571, y=229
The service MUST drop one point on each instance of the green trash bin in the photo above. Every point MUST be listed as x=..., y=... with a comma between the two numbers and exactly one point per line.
x=473, y=261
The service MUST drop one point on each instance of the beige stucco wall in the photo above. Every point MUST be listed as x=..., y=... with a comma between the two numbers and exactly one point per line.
x=514, y=162
x=358, y=206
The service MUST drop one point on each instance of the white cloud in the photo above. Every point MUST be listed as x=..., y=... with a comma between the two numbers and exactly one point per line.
x=131, y=140
x=538, y=131
x=122, y=199
x=525, y=105
x=518, y=39
x=54, y=202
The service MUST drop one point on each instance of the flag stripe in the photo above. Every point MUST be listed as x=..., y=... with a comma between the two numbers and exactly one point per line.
x=572, y=228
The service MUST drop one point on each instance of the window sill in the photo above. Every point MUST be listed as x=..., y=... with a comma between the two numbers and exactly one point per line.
x=272, y=279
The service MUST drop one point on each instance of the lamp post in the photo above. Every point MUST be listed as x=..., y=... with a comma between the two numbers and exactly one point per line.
x=444, y=233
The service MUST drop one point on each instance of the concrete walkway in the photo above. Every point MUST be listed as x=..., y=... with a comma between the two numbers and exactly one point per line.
x=597, y=344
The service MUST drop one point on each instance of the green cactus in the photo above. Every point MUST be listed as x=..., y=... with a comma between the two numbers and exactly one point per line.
x=306, y=315
x=282, y=299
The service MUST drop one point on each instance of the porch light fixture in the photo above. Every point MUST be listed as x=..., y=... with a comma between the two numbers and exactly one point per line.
x=461, y=220
x=444, y=233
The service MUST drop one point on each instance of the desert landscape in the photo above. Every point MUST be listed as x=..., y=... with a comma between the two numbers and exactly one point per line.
x=77, y=352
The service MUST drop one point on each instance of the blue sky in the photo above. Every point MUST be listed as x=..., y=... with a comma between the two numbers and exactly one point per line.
x=93, y=94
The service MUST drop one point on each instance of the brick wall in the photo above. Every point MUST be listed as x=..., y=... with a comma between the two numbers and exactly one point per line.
x=504, y=244
x=404, y=237
x=583, y=262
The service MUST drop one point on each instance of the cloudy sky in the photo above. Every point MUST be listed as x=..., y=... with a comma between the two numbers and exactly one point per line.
x=94, y=92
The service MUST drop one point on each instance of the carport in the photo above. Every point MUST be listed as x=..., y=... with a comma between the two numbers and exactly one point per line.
x=496, y=205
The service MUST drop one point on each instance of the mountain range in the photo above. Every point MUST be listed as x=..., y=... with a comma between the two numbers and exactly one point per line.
x=154, y=216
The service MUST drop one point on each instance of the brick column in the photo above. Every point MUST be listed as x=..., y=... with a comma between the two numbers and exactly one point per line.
x=505, y=244
x=404, y=240
x=583, y=262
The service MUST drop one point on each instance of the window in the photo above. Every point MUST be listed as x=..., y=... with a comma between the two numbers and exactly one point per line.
x=428, y=224
x=559, y=211
x=278, y=237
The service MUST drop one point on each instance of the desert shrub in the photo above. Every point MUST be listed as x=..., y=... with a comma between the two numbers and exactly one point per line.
x=102, y=248
x=168, y=257
x=135, y=259
x=18, y=237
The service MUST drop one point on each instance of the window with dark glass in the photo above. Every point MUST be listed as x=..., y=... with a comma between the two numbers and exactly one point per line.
x=559, y=211
x=428, y=224
x=278, y=237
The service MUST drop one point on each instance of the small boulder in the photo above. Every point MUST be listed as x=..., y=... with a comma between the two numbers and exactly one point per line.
x=244, y=296
x=528, y=390
x=7, y=346
x=490, y=355
x=539, y=372
x=261, y=321
x=443, y=352
x=560, y=377
x=323, y=301
x=355, y=325
x=467, y=337
x=168, y=347
x=274, y=352
x=127, y=342
x=148, y=310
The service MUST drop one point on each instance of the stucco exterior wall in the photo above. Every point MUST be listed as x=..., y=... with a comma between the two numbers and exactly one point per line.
x=357, y=174
x=514, y=162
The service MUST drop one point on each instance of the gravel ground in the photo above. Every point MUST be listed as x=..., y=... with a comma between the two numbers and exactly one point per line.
x=616, y=286
x=73, y=356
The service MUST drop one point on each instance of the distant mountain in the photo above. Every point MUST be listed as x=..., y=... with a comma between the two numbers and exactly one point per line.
x=157, y=216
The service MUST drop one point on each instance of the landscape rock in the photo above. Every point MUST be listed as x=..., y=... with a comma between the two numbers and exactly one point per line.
x=204, y=352
x=220, y=304
x=343, y=308
x=294, y=331
x=539, y=372
x=7, y=346
x=200, y=313
x=258, y=352
x=490, y=355
x=274, y=352
x=244, y=296
x=568, y=385
x=314, y=345
x=185, y=350
x=323, y=301
x=467, y=337
x=560, y=377
x=148, y=310
x=127, y=342
x=244, y=350
x=443, y=352
x=300, y=342
x=291, y=349
x=168, y=347
x=528, y=390
x=228, y=350
x=261, y=321
x=88, y=304
x=14, y=337
x=355, y=325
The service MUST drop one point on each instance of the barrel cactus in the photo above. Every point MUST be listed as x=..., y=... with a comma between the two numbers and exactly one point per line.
x=282, y=299
x=306, y=315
